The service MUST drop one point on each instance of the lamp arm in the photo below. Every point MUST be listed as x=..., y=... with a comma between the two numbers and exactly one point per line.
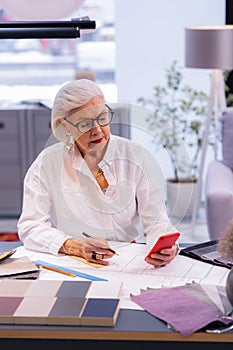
x=30, y=33
x=45, y=29
x=81, y=24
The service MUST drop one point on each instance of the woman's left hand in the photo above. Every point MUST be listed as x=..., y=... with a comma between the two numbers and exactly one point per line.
x=164, y=257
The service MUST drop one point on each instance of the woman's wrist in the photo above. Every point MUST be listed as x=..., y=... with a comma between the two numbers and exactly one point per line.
x=69, y=247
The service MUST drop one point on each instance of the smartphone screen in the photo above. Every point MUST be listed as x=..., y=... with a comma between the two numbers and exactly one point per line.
x=165, y=241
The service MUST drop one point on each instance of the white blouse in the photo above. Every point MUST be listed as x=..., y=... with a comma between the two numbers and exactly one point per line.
x=62, y=199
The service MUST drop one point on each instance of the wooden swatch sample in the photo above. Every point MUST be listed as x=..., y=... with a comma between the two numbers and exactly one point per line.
x=100, y=312
x=66, y=311
x=71, y=289
x=59, y=302
x=34, y=310
x=8, y=305
x=15, y=288
x=43, y=288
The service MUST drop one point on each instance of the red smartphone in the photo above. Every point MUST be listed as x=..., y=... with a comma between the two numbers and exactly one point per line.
x=165, y=241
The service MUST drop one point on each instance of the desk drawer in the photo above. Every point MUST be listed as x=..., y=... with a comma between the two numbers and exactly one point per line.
x=9, y=123
x=9, y=149
x=42, y=124
x=10, y=175
x=10, y=201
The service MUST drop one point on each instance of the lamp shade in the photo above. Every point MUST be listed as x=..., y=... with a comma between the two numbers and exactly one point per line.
x=209, y=47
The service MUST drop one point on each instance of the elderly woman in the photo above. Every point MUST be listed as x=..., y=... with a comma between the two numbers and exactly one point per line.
x=91, y=182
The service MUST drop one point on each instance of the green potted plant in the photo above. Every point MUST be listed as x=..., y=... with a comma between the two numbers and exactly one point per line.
x=228, y=76
x=176, y=121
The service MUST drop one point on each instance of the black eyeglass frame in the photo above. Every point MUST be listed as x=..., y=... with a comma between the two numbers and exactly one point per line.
x=110, y=110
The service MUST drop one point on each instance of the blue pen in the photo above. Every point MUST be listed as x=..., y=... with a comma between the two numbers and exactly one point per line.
x=71, y=271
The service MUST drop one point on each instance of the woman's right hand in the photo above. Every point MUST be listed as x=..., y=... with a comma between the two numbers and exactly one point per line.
x=94, y=250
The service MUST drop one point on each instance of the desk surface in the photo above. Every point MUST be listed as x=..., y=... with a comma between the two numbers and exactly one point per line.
x=131, y=326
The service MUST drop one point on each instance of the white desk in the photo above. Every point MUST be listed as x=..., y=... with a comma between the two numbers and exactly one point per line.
x=133, y=327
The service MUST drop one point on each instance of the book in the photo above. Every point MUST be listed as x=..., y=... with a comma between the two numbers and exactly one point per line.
x=6, y=254
x=18, y=267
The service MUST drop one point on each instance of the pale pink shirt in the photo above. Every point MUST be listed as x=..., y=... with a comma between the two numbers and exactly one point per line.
x=62, y=198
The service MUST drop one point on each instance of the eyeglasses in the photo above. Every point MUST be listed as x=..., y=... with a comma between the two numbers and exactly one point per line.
x=86, y=125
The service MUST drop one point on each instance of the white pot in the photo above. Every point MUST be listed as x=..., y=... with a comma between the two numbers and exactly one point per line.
x=180, y=198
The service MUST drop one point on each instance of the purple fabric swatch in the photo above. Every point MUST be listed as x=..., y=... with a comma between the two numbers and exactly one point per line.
x=183, y=311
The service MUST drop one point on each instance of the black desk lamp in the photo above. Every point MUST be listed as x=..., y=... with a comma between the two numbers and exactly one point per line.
x=45, y=29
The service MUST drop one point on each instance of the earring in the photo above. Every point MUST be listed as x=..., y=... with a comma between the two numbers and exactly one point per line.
x=69, y=141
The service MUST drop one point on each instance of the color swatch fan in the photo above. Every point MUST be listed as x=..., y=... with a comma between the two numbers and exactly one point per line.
x=187, y=308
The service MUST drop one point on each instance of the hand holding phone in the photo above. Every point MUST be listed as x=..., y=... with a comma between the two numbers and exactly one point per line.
x=165, y=241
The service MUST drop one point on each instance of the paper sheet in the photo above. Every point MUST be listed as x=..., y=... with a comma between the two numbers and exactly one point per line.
x=135, y=273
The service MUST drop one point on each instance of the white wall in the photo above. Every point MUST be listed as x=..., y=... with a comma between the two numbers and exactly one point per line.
x=150, y=34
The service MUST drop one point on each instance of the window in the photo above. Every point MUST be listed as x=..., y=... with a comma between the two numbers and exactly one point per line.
x=45, y=64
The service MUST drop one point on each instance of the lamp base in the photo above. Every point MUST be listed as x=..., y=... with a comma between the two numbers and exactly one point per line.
x=216, y=104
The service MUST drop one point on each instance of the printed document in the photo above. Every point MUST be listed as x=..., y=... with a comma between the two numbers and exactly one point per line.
x=131, y=268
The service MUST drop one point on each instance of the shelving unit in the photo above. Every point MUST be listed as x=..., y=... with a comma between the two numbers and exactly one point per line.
x=25, y=130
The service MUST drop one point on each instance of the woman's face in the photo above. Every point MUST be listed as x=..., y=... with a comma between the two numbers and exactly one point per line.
x=98, y=134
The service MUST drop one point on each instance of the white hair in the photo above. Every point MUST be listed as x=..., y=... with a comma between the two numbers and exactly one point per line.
x=72, y=95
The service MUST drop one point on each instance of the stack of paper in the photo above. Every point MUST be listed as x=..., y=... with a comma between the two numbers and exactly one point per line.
x=17, y=268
